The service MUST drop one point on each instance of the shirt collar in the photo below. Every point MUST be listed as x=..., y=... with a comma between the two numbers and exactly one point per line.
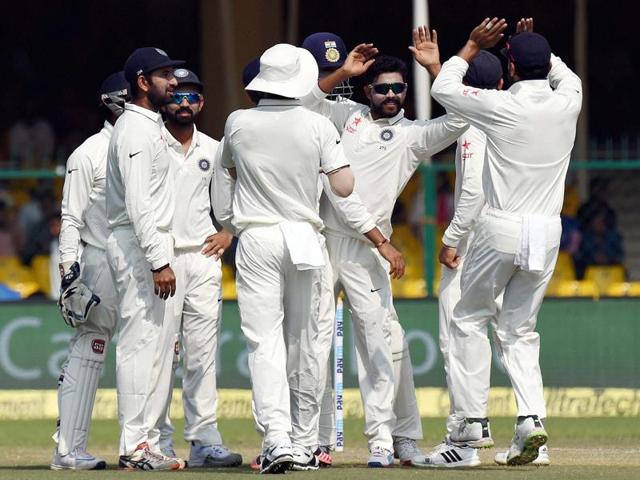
x=274, y=102
x=388, y=120
x=107, y=127
x=171, y=140
x=530, y=86
x=150, y=114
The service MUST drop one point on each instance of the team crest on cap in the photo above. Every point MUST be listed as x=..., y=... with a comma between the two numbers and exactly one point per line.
x=180, y=73
x=386, y=135
x=161, y=52
x=204, y=164
x=332, y=55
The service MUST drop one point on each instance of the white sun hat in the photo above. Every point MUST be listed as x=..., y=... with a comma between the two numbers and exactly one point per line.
x=287, y=71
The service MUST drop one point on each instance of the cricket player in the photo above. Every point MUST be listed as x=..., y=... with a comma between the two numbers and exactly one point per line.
x=530, y=130
x=485, y=71
x=330, y=53
x=84, y=220
x=140, y=204
x=276, y=150
x=198, y=299
x=385, y=149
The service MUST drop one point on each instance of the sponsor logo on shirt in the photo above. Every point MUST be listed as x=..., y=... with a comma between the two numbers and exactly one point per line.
x=204, y=164
x=351, y=128
x=98, y=346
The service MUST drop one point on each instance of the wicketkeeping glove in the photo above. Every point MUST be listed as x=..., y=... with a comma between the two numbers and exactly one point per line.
x=76, y=300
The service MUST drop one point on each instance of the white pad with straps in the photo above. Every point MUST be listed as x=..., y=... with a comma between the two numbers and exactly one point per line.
x=77, y=392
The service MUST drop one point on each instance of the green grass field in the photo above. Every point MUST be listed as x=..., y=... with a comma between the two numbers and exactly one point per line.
x=607, y=448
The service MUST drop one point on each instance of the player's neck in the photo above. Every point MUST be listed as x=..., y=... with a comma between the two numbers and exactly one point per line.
x=182, y=133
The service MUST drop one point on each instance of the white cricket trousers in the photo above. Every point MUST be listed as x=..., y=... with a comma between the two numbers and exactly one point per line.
x=142, y=314
x=279, y=318
x=196, y=320
x=358, y=269
x=488, y=270
x=87, y=351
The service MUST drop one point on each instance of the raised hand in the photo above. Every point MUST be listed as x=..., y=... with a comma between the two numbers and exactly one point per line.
x=524, y=25
x=488, y=33
x=359, y=59
x=425, y=48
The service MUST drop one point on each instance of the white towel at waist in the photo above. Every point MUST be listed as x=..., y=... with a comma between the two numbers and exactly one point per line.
x=532, y=254
x=303, y=244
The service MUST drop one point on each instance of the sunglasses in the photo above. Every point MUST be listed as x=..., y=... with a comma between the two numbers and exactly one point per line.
x=191, y=98
x=383, y=88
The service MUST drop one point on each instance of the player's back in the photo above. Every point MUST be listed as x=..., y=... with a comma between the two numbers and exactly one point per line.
x=276, y=150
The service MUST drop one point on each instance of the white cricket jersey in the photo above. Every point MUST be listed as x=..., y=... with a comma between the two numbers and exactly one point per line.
x=530, y=132
x=383, y=155
x=278, y=150
x=193, y=175
x=140, y=191
x=468, y=195
x=84, y=215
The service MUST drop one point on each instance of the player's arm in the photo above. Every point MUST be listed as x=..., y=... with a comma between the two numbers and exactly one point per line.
x=471, y=198
x=358, y=61
x=564, y=81
x=474, y=104
x=136, y=173
x=78, y=184
x=222, y=189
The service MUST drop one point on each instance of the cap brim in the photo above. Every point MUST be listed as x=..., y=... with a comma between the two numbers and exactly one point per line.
x=165, y=64
x=295, y=87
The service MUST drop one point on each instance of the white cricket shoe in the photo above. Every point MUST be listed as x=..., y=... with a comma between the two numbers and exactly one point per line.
x=528, y=437
x=213, y=456
x=77, y=460
x=473, y=432
x=380, y=457
x=448, y=456
x=144, y=459
x=404, y=449
x=542, y=460
x=304, y=459
x=277, y=459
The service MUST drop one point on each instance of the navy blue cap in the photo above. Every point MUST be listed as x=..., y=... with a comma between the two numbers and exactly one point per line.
x=485, y=71
x=528, y=50
x=114, y=83
x=250, y=71
x=327, y=48
x=187, y=77
x=145, y=60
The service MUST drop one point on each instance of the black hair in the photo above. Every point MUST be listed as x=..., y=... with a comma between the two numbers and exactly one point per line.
x=134, y=89
x=386, y=64
x=533, y=73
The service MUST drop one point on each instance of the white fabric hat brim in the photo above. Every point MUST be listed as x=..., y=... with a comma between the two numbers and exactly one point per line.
x=296, y=86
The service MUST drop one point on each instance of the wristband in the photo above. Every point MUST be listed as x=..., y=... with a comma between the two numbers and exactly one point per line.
x=157, y=270
x=379, y=244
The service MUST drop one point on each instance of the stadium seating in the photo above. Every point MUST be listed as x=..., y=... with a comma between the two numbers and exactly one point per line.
x=623, y=289
x=576, y=288
x=17, y=277
x=40, y=269
x=605, y=276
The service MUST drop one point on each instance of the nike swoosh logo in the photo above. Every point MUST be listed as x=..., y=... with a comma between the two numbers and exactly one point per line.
x=375, y=290
x=131, y=155
x=71, y=170
x=337, y=142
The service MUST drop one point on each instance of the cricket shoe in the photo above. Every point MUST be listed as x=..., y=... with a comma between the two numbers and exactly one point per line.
x=277, y=459
x=77, y=460
x=168, y=451
x=473, y=432
x=528, y=437
x=323, y=454
x=213, y=456
x=255, y=463
x=542, y=460
x=380, y=457
x=304, y=459
x=405, y=449
x=446, y=455
x=144, y=459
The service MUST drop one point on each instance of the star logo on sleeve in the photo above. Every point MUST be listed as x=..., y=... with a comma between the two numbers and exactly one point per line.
x=466, y=144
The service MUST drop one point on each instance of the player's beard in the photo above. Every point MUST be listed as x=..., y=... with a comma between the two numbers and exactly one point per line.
x=159, y=98
x=180, y=120
x=381, y=113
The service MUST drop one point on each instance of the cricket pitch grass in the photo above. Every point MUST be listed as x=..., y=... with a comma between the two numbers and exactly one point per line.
x=589, y=448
